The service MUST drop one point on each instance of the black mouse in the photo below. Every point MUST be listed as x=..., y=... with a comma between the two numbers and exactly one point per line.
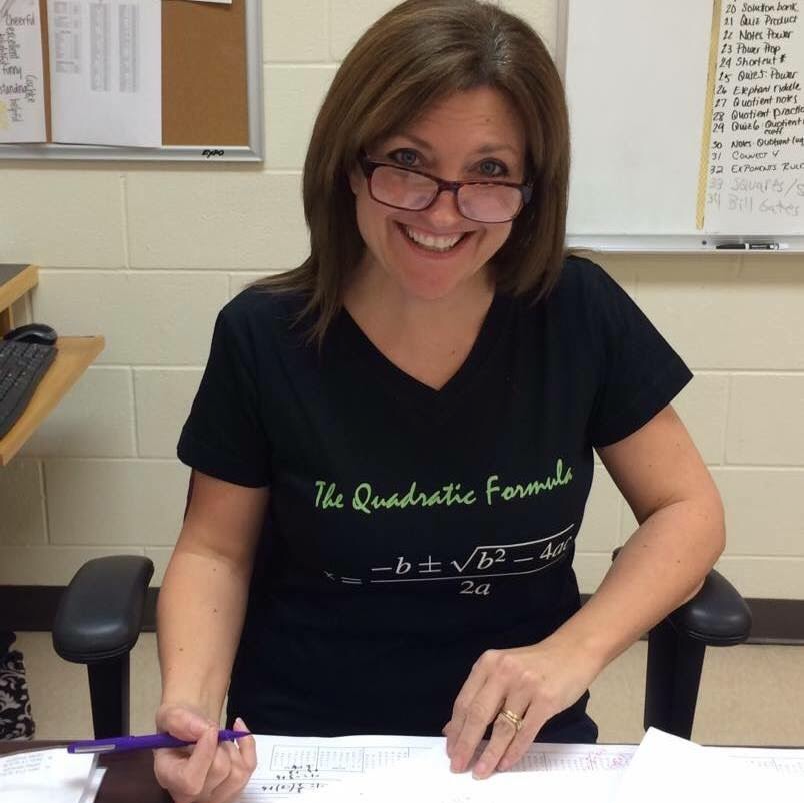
x=33, y=333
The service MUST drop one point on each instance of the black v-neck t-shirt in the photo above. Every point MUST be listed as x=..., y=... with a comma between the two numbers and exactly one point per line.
x=411, y=529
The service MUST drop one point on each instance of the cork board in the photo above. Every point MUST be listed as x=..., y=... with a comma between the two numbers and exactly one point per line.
x=204, y=98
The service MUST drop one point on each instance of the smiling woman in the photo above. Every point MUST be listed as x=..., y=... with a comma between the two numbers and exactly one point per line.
x=491, y=81
x=393, y=442
x=426, y=242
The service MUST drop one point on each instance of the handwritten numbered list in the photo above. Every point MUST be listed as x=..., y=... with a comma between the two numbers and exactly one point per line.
x=756, y=159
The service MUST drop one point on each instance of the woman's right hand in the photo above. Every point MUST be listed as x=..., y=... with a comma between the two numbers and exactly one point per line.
x=207, y=772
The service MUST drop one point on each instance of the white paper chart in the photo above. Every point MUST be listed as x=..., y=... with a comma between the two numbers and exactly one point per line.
x=106, y=72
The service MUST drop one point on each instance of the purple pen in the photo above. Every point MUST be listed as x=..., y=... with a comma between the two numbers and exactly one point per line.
x=152, y=741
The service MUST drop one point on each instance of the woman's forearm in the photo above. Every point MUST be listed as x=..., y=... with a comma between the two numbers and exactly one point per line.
x=200, y=615
x=660, y=567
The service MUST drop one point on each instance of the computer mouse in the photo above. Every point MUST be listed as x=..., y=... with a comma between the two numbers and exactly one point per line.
x=33, y=333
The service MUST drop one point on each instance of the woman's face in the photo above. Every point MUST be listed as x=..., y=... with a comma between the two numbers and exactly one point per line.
x=434, y=252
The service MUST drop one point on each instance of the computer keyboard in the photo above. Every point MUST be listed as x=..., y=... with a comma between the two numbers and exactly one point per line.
x=22, y=365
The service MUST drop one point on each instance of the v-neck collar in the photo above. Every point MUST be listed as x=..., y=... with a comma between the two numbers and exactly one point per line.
x=407, y=388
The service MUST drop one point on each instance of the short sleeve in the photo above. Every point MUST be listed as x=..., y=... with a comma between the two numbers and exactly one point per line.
x=224, y=436
x=639, y=374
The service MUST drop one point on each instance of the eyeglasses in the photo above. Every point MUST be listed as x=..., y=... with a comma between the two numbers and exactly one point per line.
x=481, y=201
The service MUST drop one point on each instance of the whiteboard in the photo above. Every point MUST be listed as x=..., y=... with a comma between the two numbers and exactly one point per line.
x=636, y=75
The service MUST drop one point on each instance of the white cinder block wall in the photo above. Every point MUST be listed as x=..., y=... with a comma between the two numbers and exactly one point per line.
x=147, y=254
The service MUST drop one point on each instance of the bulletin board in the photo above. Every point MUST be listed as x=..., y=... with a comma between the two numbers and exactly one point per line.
x=211, y=89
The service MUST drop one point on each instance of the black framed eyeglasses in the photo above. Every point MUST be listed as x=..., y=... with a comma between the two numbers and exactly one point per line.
x=478, y=200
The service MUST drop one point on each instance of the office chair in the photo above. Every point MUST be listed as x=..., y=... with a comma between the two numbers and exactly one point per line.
x=100, y=614
x=97, y=623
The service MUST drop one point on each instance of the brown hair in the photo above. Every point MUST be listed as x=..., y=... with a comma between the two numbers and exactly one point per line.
x=418, y=53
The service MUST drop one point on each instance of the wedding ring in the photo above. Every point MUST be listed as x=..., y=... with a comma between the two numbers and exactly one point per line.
x=512, y=719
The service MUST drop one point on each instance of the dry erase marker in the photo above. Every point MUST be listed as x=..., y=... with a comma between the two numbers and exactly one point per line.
x=152, y=741
x=751, y=247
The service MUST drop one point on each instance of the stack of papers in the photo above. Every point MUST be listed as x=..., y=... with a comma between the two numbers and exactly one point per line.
x=402, y=769
x=54, y=776
x=398, y=769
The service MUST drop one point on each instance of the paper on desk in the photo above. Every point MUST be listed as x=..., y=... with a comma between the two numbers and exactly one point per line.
x=93, y=786
x=54, y=776
x=106, y=72
x=784, y=761
x=22, y=103
x=584, y=758
x=292, y=767
x=666, y=769
x=428, y=778
x=358, y=767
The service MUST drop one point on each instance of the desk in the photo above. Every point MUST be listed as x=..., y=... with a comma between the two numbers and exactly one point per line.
x=129, y=777
x=75, y=355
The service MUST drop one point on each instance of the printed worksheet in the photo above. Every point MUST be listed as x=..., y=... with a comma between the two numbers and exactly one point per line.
x=428, y=778
x=398, y=769
x=784, y=761
x=106, y=71
x=355, y=766
x=290, y=767
x=22, y=102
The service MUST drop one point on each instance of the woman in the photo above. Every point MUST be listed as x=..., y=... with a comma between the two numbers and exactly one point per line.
x=392, y=444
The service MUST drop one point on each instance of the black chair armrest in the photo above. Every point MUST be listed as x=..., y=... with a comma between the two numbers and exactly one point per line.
x=717, y=615
x=100, y=613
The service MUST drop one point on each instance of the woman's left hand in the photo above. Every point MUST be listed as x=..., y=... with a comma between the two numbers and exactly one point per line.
x=530, y=683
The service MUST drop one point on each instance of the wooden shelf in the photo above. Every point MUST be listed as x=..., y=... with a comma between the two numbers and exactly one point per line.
x=75, y=355
x=15, y=282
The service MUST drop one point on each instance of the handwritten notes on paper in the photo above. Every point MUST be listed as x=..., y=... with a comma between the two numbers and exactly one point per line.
x=54, y=776
x=289, y=767
x=756, y=154
x=22, y=103
x=106, y=72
